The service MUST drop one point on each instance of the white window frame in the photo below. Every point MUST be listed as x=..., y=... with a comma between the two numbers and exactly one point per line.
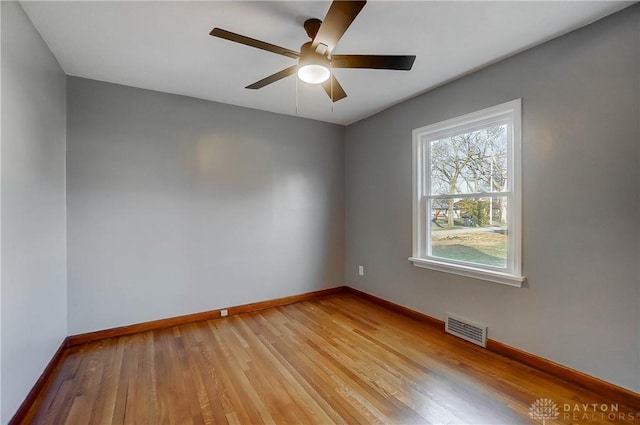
x=511, y=114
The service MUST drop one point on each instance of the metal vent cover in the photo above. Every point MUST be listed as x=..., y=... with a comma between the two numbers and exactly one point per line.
x=466, y=329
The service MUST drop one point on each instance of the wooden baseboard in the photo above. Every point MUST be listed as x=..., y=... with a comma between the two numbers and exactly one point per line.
x=405, y=311
x=596, y=385
x=195, y=317
x=40, y=387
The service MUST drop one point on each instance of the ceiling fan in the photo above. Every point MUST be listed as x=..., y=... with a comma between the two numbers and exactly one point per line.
x=315, y=60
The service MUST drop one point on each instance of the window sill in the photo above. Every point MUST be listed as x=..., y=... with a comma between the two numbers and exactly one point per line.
x=476, y=273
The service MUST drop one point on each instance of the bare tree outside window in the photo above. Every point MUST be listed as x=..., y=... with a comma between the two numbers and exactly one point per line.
x=473, y=162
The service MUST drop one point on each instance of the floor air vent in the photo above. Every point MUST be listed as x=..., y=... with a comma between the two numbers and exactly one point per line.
x=466, y=329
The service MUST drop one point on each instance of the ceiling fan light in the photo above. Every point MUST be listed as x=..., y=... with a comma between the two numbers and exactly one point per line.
x=313, y=73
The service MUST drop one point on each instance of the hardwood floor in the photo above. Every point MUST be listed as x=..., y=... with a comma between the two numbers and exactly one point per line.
x=338, y=359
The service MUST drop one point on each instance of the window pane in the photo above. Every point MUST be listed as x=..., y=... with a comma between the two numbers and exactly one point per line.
x=472, y=230
x=471, y=162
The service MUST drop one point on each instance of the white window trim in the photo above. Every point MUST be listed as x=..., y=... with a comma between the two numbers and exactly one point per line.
x=421, y=179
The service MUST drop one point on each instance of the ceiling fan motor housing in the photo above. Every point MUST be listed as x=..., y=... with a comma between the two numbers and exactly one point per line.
x=310, y=54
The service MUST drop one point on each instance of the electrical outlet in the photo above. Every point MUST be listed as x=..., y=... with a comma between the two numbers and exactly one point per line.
x=224, y=312
x=361, y=270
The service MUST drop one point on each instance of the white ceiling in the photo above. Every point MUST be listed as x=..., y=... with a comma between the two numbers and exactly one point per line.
x=165, y=46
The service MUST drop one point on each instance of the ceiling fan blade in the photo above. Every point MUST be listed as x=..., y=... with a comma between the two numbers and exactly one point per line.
x=338, y=91
x=273, y=78
x=252, y=42
x=400, y=63
x=339, y=17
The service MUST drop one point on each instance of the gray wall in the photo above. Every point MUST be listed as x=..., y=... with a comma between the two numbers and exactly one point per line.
x=177, y=205
x=33, y=259
x=581, y=182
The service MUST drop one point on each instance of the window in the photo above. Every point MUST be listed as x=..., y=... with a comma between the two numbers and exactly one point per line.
x=467, y=196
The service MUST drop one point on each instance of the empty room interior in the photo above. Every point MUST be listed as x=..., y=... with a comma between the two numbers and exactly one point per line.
x=317, y=212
